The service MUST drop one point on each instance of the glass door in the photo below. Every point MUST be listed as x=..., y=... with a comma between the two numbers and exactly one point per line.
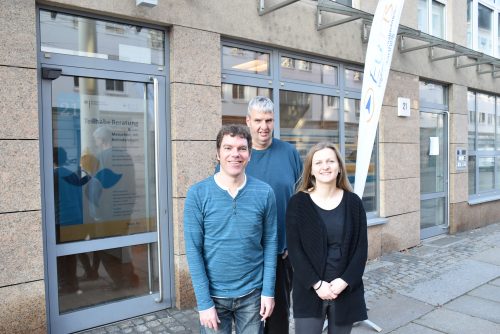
x=105, y=196
x=433, y=174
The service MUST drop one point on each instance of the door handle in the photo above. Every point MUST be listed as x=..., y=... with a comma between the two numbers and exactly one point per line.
x=159, y=299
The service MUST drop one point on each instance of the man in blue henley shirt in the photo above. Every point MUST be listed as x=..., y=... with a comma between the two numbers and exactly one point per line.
x=230, y=231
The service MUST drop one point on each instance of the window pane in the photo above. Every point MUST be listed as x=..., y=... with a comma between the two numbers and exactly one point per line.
x=351, y=121
x=471, y=101
x=497, y=173
x=432, y=165
x=486, y=173
x=485, y=123
x=472, y=174
x=353, y=79
x=485, y=32
x=432, y=93
x=423, y=16
x=235, y=100
x=437, y=19
x=306, y=119
x=64, y=34
x=242, y=60
x=432, y=212
x=103, y=153
x=469, y=24
x=298, y=69
x=106, y=276
x=498, y=123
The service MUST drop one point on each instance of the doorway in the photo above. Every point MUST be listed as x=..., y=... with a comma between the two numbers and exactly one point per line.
x=433, y=174
x=105, y=192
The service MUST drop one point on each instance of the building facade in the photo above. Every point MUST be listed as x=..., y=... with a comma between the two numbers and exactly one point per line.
x=110, y=111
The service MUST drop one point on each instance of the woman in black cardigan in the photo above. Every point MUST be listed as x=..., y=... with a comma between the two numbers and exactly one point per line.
x=327, y=245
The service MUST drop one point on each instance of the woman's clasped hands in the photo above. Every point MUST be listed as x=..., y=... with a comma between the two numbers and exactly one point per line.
x=330, y=291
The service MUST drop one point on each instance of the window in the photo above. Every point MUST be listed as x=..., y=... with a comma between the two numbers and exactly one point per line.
x=114, y=85
x=484, y=146
x=483, y=26
x=60, y=33
x=431, y=17
x=319, y=100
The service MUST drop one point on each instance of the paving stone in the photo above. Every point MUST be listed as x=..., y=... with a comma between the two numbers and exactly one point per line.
x=448, y=321
x=412, y=328
x=487, y=291
x=465, y=277
x=476, y=307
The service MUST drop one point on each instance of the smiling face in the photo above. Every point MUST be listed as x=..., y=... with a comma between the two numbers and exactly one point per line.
x=261, y=126
x=325, y=166
x=233, y=156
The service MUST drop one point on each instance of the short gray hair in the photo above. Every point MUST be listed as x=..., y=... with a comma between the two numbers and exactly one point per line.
x=103, y=133
x=260, y=104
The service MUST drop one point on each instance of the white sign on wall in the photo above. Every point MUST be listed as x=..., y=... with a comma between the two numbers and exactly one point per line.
x=404, y=107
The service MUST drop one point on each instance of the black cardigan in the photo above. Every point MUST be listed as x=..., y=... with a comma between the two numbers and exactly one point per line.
x=307, y=247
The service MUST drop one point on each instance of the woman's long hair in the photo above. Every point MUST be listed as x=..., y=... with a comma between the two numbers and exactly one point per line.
x=307, y=181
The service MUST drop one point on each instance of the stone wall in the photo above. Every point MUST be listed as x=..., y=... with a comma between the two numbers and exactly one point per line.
x=22, y=296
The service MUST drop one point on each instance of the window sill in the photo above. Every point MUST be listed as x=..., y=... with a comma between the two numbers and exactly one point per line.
x=483, y=199
x=376, y=221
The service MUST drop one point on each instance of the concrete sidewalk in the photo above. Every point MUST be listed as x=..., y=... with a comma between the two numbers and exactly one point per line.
x=449, y=284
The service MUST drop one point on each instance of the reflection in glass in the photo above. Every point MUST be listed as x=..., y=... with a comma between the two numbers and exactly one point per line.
x=498, y=124
x=437, y=19
x=351, y=121
x=238, y=59
x=486, y=173
x=471, y=164
x=353, y=78
x=485, y=29
x=99, y=277
x=432, y=93
x=80, y=36
x=469, y=24
x=497, y=173
x=471, y=102
x=303, y=70
x=432, y=159
x=432, y=212
x=235, y=100
x=104, y=180
x=306, y=119
x=422, y=16
x=485, y=122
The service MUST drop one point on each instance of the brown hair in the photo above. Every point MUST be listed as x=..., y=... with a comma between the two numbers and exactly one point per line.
x=307, y=181
x=234, y=130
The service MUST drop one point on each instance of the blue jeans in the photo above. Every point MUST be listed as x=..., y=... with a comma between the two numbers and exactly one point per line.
x=243, y=310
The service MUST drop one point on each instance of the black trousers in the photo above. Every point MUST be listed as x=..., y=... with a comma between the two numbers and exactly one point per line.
x=278, y=321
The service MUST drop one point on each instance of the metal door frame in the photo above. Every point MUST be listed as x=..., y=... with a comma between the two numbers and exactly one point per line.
x=441, y=229
x=113, y=311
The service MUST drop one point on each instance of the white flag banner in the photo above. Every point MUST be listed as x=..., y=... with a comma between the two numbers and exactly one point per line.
x=377, y=65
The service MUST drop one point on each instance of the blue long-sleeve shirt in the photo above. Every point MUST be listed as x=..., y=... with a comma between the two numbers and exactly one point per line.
x=231, y=243
x=280, y=166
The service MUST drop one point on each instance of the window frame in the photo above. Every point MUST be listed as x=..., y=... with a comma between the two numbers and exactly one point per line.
x=276, y=83
x=429, y=22
x=494, y=6
x=486, y=195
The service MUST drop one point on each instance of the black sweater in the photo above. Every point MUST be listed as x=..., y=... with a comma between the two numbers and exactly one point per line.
x=307, y=246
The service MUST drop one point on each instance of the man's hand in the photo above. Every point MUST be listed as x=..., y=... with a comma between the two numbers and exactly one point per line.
x=209, y=318
x=338, y=285
x=266, y=307
x=285, y=254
